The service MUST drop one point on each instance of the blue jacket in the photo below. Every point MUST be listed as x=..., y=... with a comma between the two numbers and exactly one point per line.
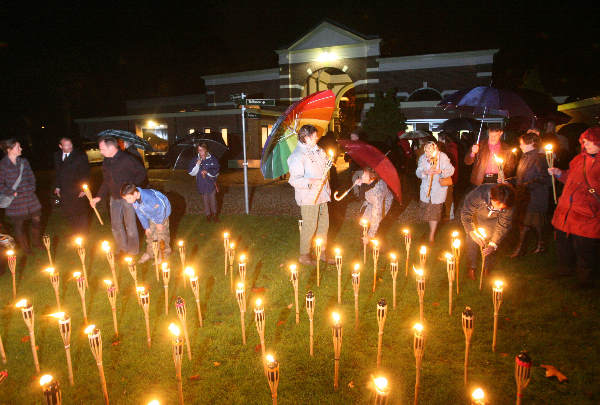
x=205, y=184
x=152, y=206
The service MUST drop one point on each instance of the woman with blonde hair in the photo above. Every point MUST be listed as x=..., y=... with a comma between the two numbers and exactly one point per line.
x=435, y=171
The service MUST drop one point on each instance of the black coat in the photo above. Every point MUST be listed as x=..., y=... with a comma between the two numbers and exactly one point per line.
x=532, y=182
x=70, y=175
x=120, y=169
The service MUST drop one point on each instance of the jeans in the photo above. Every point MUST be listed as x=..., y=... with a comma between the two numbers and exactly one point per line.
x=124, y=227
x=210, y=203
x=161, y=236
x=315, y=223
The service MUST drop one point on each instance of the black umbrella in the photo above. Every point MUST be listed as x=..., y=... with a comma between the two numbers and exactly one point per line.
x=127, y=136
x=188, y=151
x=459, y=124
x=573, y=130
x=417, y=134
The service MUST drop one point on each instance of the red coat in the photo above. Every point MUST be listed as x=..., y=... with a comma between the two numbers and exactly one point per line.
x=578, y=211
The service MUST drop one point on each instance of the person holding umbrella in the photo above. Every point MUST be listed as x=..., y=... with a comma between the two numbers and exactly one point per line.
x=485, y=168
x=434, y=169
x=376, y=196
x=307, y=164
x=205, y=167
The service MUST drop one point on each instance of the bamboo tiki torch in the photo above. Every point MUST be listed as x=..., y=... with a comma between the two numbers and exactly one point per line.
x=28, y=317
x=88, y=194
x=451, y=270
x=300, y=222
x=325, y=175
x=11, y=257
x=468, y=324
x=55, y=281
x=394, y=271
x=418, y=347
x=433, y=162
x=381, y=315
x=310, y=310
x=240, y=294
x=181, y=247
x=375, y=260
x=407, y=241
x=420, y=276
x=456, y=254
x=231, y=258
x=156, y=252
x=500, y=163
x=181, y=314
x=64, y=325
x=483, y=235
x=338, y=265
x=166, y=276
x=132, y=270
x=356, y=288
x=382, y=390
x=478, y=397
x=226, y=248
x=522, y=373
x=95, y=339
x=294, y=280
x=46, y=240
x=144, y=299
x=318, y=247
x=259, y=319
x=422, y=256
x=550, y=161
x=242, y=267
x=2, y=352
x=272, y=376
x=80, y=280
x=51, y=390
x=364, y=223
x=111, y=292
x=196, y=290
x=177, y=357
x=337, y=332
x=497, y=296
x=81, y=253
x=111, y=262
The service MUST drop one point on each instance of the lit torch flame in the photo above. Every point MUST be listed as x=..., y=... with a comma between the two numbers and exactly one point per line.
x=174, y=329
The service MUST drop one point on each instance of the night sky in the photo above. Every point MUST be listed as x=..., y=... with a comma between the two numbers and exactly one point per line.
x=82, y=60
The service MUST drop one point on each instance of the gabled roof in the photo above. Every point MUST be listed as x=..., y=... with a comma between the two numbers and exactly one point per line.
x=333, y=32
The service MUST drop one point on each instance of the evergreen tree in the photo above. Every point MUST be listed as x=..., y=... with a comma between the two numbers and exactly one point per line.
x=384, y=120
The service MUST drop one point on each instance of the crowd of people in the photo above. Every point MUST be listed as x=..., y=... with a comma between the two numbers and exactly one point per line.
x=507, y=191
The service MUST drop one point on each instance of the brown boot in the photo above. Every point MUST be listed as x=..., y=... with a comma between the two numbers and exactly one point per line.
x=520, y=244
x=471, y=274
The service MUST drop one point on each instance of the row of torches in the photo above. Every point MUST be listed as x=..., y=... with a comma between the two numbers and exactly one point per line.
x=271, y=367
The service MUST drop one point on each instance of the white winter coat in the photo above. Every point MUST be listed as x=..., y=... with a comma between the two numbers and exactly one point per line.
x=438, y=193
x=305, y=163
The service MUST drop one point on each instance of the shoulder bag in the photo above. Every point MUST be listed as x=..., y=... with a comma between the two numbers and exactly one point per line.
x=6, y=200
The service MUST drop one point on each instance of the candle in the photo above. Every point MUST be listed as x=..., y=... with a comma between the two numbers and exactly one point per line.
x=550, y=161
x=177, y=355
x=381, y=316
x=240, y=293
x=28, y=318
x=497, y=298
x=451, y=270
x=318, y=247
x=337, y=333
x=111, y=292
x=189, y=271
x=310, y=310
x=418, y=348
x=420, y=277
x=272, y=376
x=64, y=325
x=394, y=272
x=382, y=390
x=181, y=314
x=294, y=280
x=375, y=243
x=95, y=340
x=11, y=257
x=407, y=242
x=144, y=299
x=467, y=325
x=338, y=266
x=356, y=287
x=55, y=281
x=51, y=390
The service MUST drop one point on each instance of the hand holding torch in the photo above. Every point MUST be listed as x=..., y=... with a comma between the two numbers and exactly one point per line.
x=550, y=161
x=325, y=174
x=88, y=194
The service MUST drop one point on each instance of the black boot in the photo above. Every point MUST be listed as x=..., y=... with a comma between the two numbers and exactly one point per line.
x=540, y=248
x=521, y=244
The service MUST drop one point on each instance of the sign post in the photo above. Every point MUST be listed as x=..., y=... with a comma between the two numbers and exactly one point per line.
x=245, y=164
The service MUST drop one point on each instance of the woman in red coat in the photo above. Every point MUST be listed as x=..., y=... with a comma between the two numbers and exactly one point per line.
x=577, y=215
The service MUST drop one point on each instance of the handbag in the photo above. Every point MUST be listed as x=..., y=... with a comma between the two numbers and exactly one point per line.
x=446, y=181
x=590, y=189
x=6, y=200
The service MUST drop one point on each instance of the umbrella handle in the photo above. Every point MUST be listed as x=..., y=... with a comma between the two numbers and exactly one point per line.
x=340, y=198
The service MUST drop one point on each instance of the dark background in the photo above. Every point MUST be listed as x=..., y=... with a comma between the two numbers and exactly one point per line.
x=62, y=62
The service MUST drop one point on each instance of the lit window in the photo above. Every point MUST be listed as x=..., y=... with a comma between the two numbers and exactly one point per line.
x=264, y=135
x=224, y=135
x=207, y=130
x=191, y=131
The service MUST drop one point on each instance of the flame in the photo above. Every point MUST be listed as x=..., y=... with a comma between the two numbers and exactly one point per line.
x=364, y=222
x=242, y=258
x=180, y=243
x=270, y=358
x=79, y=241
x=454, y=234
x=423, y=250
x=225, y=235
x=514, y=150
x=258, y=302
x=174, y=329
x=478, y=394
x=45, y=379
x=49, y=270
x=85, y=186
x=21, y=304
x=58, y=315
x=189, y=271
x=405, y=231
x=418, y=327
x=336, y=318
x=231, y=245
x=393, y=256
x=140, y=290
x=240, y=287
x=293, y=267
x=482, y=232
x=105, y=246
x=154, y=402
x=498, y=284
x=448, y=256
x=548, y=147
x=381, y=384
x=456, y=243
x=375, y=242
x=318, y=241
x=164, y=266
x=108, y=283
x=356, y=267
x=128, y=260
x=330, y=153
x=10, y=252
x=76, y=274
x=418, y=272
x=90, y=329
x=498, y=159
x=337, y=251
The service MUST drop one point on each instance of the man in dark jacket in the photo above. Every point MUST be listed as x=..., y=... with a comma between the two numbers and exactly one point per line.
x=488, y=206
x=72, y=170
x=119, y=168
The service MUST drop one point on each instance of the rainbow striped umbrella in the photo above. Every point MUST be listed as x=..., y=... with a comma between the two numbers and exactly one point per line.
x=316, y=110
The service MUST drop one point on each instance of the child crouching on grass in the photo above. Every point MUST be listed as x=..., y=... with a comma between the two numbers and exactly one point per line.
x=152, y=209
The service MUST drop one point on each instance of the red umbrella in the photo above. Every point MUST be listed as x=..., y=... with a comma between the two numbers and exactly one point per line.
x=366, y=155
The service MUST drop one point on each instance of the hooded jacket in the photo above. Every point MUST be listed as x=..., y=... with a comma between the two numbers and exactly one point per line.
x=151, y=206
x=306, y=163
x=206, y=184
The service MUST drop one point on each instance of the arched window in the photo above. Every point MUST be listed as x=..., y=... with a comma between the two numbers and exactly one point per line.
x=425, y=94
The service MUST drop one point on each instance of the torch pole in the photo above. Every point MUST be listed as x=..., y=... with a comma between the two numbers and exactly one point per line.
x=144, y=297
x=522, y=374
x=182, y=315
x=81, y=253
x=12, y=266
x=111, y=291
x=310, y=310
x=166, y=275
x=381, y=315
x=2, y=352
x=28, y=317
x=81, y=282
x=337, y=348
x=273, y=378
x=177, y=357
x=196, y=291
x=318, y=253
x=111, y=261
x=95, y=340
x=88, y=194
x=338, y=265
x=451, y=270
x=497, y=296
x=156, y=251
x=181, y=246
x=231, y=253
x=259, y=320
x=375, y=260
x=394, y=272
x=467, y=325
x=482, y=268
x=46, y=240
x=240, y=294
x=418, y=346
x=356, y=288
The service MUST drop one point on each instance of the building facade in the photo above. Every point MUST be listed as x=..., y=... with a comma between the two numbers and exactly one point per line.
x=327, y=57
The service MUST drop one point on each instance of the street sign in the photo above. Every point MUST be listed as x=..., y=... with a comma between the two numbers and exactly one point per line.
x=261, y=101
x=252, y=114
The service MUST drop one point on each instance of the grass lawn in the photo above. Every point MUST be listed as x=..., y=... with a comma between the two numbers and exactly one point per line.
x=555, y=322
